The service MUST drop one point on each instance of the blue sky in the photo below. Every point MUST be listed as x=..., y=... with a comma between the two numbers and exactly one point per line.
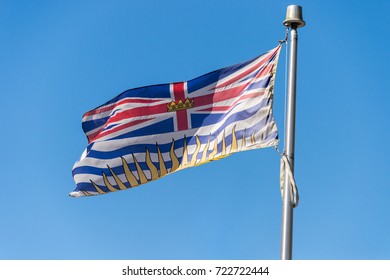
x=59, y=59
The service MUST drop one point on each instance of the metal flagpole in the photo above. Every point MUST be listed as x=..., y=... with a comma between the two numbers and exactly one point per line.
x=293, y=21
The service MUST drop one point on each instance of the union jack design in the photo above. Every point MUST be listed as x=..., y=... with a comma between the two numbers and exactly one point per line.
x=146, y=133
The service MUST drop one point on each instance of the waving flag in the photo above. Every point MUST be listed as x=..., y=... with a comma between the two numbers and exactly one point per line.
x=146, y=133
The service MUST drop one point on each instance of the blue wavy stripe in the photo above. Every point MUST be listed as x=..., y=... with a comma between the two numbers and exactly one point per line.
x=152, y=91
x=92, y=124
x=164, y=126
x=262, y=84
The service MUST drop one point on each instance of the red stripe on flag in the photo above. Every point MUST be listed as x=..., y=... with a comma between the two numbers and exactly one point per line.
x=138, y=112
x=99, y=110
x=227, y=108
x=182, y=120
x=181, y=116
x=178, y=91
x=99, y=134
x=216, y=109
x=219, y=96
x=246, y=72
x=121, y=102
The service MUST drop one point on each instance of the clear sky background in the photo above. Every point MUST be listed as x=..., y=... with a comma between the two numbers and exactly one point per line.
x=59, y=59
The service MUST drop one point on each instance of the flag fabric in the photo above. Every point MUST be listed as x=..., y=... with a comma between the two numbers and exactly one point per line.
x=146, y=133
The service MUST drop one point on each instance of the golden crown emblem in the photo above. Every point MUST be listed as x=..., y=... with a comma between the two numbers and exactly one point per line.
x=180, y=105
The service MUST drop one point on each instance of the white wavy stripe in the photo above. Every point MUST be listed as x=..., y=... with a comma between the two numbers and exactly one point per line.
x=80, y=194
x=100, y=115
x=95, y=130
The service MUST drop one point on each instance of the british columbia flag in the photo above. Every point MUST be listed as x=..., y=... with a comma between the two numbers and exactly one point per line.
x=146, y=133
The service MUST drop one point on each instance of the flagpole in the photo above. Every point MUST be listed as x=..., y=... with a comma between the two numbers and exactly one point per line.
x=293, y=21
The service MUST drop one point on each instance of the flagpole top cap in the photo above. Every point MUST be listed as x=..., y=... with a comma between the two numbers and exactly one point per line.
x=294, y=17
